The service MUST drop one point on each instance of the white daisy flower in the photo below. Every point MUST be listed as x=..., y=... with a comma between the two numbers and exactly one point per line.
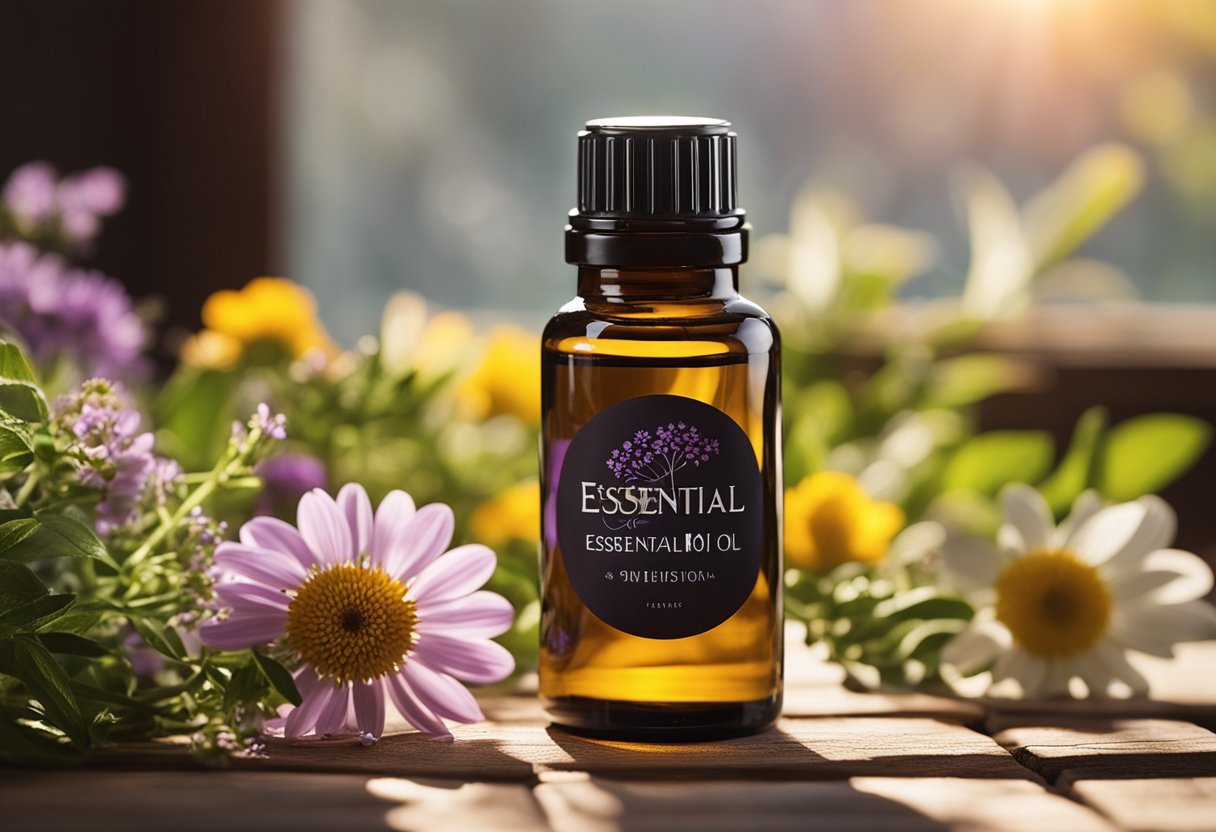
x=1058, y=603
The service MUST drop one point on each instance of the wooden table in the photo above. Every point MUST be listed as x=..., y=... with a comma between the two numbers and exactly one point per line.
x=837, y=760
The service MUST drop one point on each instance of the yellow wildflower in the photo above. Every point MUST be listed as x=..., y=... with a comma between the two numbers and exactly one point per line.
x=414, y=340
x=270, y=317
x=508, y=378
x=830, y=520
x=513, y=514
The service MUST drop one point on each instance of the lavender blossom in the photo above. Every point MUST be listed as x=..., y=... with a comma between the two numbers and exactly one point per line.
x=111, y=455
x=285, y=479
x=29, y=193
x=69, y=210
x=64, y=313
x=651, y=457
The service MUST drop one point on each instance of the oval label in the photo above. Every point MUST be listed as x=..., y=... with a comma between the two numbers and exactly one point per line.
x=660, y=516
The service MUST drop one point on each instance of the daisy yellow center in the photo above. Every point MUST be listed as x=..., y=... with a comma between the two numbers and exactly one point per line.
x=351, y=623
x=1053, y=603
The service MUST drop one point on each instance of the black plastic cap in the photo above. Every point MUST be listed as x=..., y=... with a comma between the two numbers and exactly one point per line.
x=657, y=191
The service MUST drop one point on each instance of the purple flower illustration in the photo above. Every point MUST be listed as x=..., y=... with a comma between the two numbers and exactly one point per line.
x=652, y=457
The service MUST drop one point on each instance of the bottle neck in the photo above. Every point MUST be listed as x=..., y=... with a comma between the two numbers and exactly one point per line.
x=628, y=285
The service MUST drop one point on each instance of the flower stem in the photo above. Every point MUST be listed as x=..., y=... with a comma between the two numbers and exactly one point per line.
x=223, y=470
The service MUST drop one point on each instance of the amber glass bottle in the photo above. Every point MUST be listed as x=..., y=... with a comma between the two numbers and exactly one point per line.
x=660, y=454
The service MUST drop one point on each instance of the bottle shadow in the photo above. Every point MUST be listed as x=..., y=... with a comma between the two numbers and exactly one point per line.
x=770, y=754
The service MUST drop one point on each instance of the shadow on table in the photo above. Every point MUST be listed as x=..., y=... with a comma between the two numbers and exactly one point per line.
x=603, y=805
x=770, y=754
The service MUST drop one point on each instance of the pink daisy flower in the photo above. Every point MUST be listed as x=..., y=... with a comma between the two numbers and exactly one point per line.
x=373, y=608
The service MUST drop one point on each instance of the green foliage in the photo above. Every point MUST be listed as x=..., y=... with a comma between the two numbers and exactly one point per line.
x=885, y=627
x=1146, y=453
x=990, y=461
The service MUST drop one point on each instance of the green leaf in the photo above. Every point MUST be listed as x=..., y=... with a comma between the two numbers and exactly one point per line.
x=160, y=637
x=280, y=678
x=35, y=614
x=47, y=535
x=1076, y=471
x=72, y=645
x=990, y=461
x=967, y=379
x=34, y=665
x=20, y=396
x=1092, y=190
x=246, y=685
x=194, y=412
x=16, y=445
x=1147, y=453
x=18, y=585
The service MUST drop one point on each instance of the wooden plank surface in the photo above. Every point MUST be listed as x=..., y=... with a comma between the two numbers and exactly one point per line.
x=199, y=801
x=1064, y=750
x=797, y=749
x=1159, y=805
x=576, y=803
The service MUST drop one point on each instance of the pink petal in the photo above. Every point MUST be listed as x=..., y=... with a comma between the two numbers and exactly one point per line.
x=481, y=614
x=353, y=501
x=333, y=720
x=424, y=538
x=276, y=570
x=244, y=632
x=369, y=707
x=413, y=710
x=278, y=536
x=250, y=598
x=392, y=517
x=454, y=575
x=324, y=528
x=303, y=718
x=442, y=694
x=470, y=660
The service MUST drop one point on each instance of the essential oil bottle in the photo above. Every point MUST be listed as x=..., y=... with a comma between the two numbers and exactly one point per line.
x=660, y=454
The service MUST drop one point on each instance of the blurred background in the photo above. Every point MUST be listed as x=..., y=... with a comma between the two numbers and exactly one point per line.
x=366, y=146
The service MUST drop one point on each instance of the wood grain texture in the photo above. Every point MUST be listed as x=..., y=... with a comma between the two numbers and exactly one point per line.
x=1064, y=750
x=1182, y=805
x=576, y=803
x=200, y=801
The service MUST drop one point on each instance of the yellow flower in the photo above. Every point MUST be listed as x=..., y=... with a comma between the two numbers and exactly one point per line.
x=513, y=514
x=270, y=317
x=830, y=520
x=508, y=379
x=414, y=340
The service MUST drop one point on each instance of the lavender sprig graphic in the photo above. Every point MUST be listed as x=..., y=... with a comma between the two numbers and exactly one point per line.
x=652, y=457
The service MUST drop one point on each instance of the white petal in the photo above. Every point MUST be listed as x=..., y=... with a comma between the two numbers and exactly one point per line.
x=1192, y=621
x=976, y=646
x=1028, y=670
x=1083, y=508
x=1056, y=683
x=1027, y=513
x=1120, y=536
x=1105, y=664
x=1170, y=576
x=971, y=563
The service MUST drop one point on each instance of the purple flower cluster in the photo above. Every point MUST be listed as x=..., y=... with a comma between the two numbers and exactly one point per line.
x=111, y=454
x=42, y=205
x=65, y=313
x=651, y=457
x=285, y=479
